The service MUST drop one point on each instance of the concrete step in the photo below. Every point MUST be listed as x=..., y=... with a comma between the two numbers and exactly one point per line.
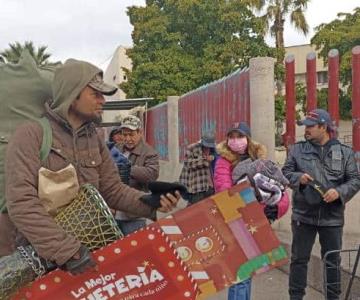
x=272, y=285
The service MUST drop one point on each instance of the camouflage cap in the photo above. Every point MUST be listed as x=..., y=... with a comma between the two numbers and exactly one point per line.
x=131, y=122
x=98, y=84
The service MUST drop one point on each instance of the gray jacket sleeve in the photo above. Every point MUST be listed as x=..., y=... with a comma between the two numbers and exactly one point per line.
x=290, y=169
x=351, y=184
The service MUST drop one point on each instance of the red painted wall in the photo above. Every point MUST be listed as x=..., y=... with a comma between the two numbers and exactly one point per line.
x=214, y=107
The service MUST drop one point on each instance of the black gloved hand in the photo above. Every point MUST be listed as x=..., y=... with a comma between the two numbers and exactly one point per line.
x=271, y=212
x=80, y=262
x=159, y=188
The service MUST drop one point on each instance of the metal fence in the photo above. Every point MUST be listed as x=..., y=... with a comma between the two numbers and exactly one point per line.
x=349, y=271
x=157, y=129
x=214, y=107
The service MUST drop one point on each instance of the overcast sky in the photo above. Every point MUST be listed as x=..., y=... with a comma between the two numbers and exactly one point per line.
x=92, y=29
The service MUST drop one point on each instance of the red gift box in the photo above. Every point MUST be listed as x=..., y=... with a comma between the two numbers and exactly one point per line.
x=142, y=265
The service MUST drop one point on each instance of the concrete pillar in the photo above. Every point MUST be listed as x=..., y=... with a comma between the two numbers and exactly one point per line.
x=173, y=127
x=170, y=170
x=262, y=102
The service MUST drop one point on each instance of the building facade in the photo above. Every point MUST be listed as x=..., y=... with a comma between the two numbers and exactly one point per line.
x=115, y=74
x=300, y=53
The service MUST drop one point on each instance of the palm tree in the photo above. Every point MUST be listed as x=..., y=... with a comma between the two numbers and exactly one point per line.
x=13, y=53
x=273, y=19
x=275, y=15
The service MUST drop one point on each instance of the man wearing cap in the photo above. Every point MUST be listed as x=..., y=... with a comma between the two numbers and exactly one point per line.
x=115, y=135
x=198, y=170
x=324, y=177
x=144, y=167
x=78, y=90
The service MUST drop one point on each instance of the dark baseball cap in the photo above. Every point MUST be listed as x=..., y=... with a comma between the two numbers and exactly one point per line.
x=208, y=140
x=241, y=127
x=316, y=117
x=98, y=84
x=114, y=130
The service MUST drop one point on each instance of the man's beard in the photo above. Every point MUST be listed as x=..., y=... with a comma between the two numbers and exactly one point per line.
x=312, y=139
x=97, y=119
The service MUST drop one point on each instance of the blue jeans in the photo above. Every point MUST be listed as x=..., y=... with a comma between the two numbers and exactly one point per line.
x=240, y=291
x=129, y=226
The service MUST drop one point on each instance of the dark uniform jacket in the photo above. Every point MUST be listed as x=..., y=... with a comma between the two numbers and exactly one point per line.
x=333, y=166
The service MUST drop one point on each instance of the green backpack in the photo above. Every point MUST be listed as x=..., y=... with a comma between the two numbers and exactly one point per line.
x=24, y=89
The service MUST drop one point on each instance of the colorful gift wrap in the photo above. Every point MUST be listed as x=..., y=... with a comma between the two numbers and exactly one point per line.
x=142, y=265
x=191, y=254
x=224, y=239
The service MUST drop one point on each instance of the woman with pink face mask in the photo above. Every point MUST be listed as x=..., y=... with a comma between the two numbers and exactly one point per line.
x=237, y=147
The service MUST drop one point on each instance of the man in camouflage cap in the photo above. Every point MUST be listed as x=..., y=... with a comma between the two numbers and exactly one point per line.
x=144, y=166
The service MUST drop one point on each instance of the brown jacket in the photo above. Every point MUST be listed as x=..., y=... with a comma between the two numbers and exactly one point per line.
x=144, y=165
x=84, y=149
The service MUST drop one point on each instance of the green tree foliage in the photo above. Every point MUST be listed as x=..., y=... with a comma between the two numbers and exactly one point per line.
x=280, y=109
x=13, y=53
x=344, y=102
x=180, y=45
x=342, y=34
x=274, y=14
x=322, y=102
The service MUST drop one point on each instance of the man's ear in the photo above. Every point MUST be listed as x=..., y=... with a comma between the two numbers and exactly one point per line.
x=323, y=126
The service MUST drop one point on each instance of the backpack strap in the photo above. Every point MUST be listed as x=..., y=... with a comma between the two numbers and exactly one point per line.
x=45, y=145
x=47, y=138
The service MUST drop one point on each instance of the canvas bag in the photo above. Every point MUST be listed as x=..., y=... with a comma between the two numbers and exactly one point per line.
x=24, y=89
x=56, y=189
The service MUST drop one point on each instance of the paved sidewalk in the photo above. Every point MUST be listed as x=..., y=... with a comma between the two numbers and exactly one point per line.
x=272, y=285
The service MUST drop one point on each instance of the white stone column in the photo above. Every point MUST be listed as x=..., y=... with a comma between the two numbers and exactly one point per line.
x=173, y=127
x=170, y=170
x=262, y=102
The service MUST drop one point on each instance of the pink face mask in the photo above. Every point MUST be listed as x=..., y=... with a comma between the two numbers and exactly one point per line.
x=238, y=145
